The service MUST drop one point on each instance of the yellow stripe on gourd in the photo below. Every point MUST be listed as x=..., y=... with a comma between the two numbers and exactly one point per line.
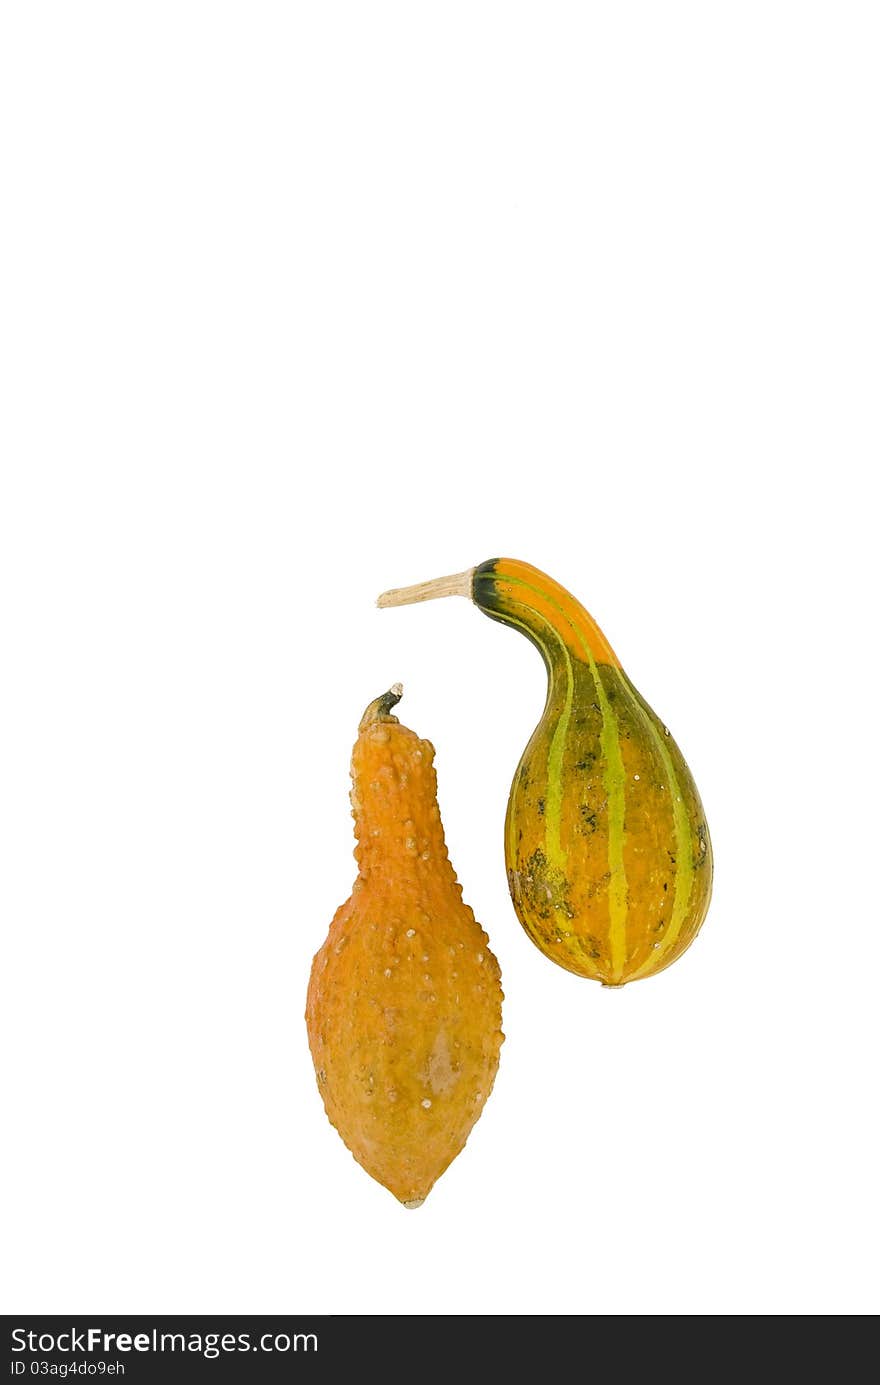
x=614, y=779
x=553, y=805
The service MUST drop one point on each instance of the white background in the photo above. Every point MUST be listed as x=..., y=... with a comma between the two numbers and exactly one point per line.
x=300, y=302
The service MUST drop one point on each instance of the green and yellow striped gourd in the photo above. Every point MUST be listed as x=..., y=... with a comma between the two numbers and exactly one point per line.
x=608, y=855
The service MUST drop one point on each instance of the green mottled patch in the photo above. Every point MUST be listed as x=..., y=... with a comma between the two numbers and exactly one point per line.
x=543, y=887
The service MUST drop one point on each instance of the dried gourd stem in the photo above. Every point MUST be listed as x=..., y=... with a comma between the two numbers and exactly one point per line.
x=457, y=584
x=380, y=708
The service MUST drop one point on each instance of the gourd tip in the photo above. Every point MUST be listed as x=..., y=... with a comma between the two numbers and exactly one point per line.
x=414, y=1202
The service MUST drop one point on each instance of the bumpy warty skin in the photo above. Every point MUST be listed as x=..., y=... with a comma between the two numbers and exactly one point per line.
x=404, y=999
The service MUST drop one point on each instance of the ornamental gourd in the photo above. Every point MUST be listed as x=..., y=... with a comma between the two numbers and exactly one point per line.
x=608, y=856
x=404, y=998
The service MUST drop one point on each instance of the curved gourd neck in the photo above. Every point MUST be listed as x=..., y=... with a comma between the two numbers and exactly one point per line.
x=525, y=598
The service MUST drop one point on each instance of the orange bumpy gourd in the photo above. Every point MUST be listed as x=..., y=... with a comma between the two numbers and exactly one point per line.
x=404, y=1000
